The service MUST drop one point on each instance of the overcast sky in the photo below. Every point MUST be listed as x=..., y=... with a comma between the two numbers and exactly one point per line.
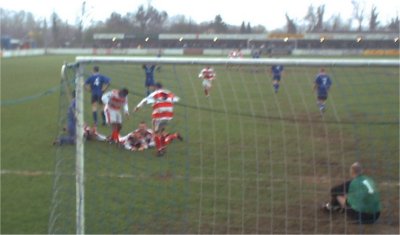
x=269, y=13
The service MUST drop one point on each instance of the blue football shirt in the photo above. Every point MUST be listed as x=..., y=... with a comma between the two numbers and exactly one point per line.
x=96, y=82
x=323, y=82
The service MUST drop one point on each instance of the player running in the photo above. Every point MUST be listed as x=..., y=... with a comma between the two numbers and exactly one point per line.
x=163, y=111
x=322, y=85
x=114, y=101
x=208, y=75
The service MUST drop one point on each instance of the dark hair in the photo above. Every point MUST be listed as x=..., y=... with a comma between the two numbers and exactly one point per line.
x=158, y=85
x=123, y=92
x=96, y=68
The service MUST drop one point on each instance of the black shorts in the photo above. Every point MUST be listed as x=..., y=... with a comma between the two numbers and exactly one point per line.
x=276, y=78
x=361, y=217
x=322, y=97
x=96, y=99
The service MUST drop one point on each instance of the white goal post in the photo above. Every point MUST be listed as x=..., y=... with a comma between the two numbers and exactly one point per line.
x=81, y=61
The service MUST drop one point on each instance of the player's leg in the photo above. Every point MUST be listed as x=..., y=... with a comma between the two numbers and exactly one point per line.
x=95, y=99
x=112, y=120
x=170, y=137
x=117, y=126
x=159, y=137
x=149, y=84
x=70, y=137
x=321, y=103
x=115, y=136
x=276, y=84
x=103, y=116
x=206, y=85
x=337, y=194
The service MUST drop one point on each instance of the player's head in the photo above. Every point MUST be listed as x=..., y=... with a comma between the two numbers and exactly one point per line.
x=96, y=69
x=158, y=85
x=142, y=125
x=123, y=92
x=322, y=70
x=356, y=169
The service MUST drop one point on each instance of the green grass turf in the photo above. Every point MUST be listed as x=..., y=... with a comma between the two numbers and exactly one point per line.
x=252, y=161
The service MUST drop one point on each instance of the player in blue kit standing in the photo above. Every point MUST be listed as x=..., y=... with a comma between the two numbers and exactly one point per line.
x=97, y=84
x=321, y=85
x=276, y=71
x=149, y=82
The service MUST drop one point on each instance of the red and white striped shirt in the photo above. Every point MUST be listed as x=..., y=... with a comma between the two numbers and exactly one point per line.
x=163, y=104
x=207, y=73
x=114, y=101
x=235, y=54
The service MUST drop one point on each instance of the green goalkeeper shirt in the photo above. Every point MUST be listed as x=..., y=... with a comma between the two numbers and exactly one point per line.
x=363, y=195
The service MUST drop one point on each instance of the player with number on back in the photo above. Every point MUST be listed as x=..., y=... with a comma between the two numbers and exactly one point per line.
x=97, y=85
x=208, y=75
x=358, y=197
x=322, y=85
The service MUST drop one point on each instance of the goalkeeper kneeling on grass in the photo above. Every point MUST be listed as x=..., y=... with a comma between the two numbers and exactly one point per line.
x=358, y=198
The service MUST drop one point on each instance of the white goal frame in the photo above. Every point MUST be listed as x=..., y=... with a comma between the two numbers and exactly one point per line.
x=81, y=61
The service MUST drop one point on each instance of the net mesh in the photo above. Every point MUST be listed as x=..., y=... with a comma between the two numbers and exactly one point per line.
x=252, y=161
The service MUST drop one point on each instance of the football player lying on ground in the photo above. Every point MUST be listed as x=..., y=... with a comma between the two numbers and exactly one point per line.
x=139, y=139
x=143, y=138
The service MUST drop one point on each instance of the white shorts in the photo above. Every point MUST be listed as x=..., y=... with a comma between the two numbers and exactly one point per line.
x=112, y=115
x=206, y=83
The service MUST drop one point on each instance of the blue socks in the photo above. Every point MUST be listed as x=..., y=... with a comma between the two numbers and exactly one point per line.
x=322, y=107
x=94, y=113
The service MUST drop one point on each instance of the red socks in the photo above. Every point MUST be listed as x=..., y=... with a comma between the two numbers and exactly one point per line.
x=115, y=135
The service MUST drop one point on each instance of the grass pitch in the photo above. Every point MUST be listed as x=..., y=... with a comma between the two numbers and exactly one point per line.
x=251, y=162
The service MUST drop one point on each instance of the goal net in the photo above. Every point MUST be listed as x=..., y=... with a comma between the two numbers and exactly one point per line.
x=252, y=160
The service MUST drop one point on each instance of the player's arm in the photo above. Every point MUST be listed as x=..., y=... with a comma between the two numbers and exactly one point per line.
x=126, y=108
x=201, y=73
x=140, y=104
x=175, y=98
x=105, y=85
x=124, y=139
x=87, y=84
x=87, y=87
x=315, y=87
x=330, y=84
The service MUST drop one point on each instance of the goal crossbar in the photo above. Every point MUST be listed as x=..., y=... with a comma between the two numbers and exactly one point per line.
x=241, y=61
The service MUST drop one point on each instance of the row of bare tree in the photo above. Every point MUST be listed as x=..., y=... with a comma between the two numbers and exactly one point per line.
x=148, y=21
